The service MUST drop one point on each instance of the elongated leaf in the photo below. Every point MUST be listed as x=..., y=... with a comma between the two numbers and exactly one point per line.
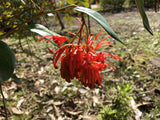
x=143, y=15
x=101, y=20
x=7, y=62
x=42, y=30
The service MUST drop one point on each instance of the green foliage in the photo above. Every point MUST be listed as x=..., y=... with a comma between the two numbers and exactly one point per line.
x=112, y=4
x=132, y=3
x=119, y=109
x=143, y=15
x=117, y=5
x=42, y=30
x=149, y=3
x=129, y=3
x=7, y=62
x=101, y=20
x=17, y=14
x=85, y=3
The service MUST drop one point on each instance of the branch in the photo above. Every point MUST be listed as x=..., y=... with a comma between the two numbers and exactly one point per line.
x=20, y=26
x=4, y=103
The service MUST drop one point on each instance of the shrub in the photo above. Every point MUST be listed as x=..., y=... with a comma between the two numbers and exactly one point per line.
x=112, y=4
x=119, y=108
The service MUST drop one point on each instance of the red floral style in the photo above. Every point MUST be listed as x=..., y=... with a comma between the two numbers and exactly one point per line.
x=90, y=72
x=81, y=60
x=70, y=64
x=57, y=39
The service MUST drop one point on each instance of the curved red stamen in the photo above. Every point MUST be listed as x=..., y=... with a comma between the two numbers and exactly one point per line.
x=73, y=34
x=112, y=68
x=49, y=39
x=79, y=20
x=103, y=42
x=97, y=47
x=104, y=39
x=98, y=35
x=114, y=56
x=44, y=37
x=51, y=51
x=57, y=56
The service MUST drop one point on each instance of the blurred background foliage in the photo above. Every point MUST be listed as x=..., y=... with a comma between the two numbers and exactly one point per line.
x=112, y=4
x=16, y=14
x=118, y=5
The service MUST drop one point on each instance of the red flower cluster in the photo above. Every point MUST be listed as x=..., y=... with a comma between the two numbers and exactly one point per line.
x=81, y=60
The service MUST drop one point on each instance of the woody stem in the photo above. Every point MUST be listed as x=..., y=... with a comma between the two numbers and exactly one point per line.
x=4, y=103
x=80, y=31
x=84, y=22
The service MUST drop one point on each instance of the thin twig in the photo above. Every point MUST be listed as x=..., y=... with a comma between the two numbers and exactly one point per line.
x=89, y=25
x=4, y=103
x=20, y=26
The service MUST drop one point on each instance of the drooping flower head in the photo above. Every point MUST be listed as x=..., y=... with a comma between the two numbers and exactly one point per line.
x=81, y=60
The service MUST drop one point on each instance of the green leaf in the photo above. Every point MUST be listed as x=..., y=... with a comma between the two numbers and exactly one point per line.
x=85, y=3
x=143, y=15
x=7, y=62
x=42, y=30
x=101, y=20
x=71, y=2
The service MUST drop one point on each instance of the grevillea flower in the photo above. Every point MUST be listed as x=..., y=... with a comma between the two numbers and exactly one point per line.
x=81, y=60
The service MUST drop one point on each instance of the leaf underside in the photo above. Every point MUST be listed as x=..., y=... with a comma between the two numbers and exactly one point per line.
x=7, y=62
x=43, y=31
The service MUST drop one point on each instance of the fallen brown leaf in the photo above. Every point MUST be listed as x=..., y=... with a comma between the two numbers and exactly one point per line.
x=16, y=111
